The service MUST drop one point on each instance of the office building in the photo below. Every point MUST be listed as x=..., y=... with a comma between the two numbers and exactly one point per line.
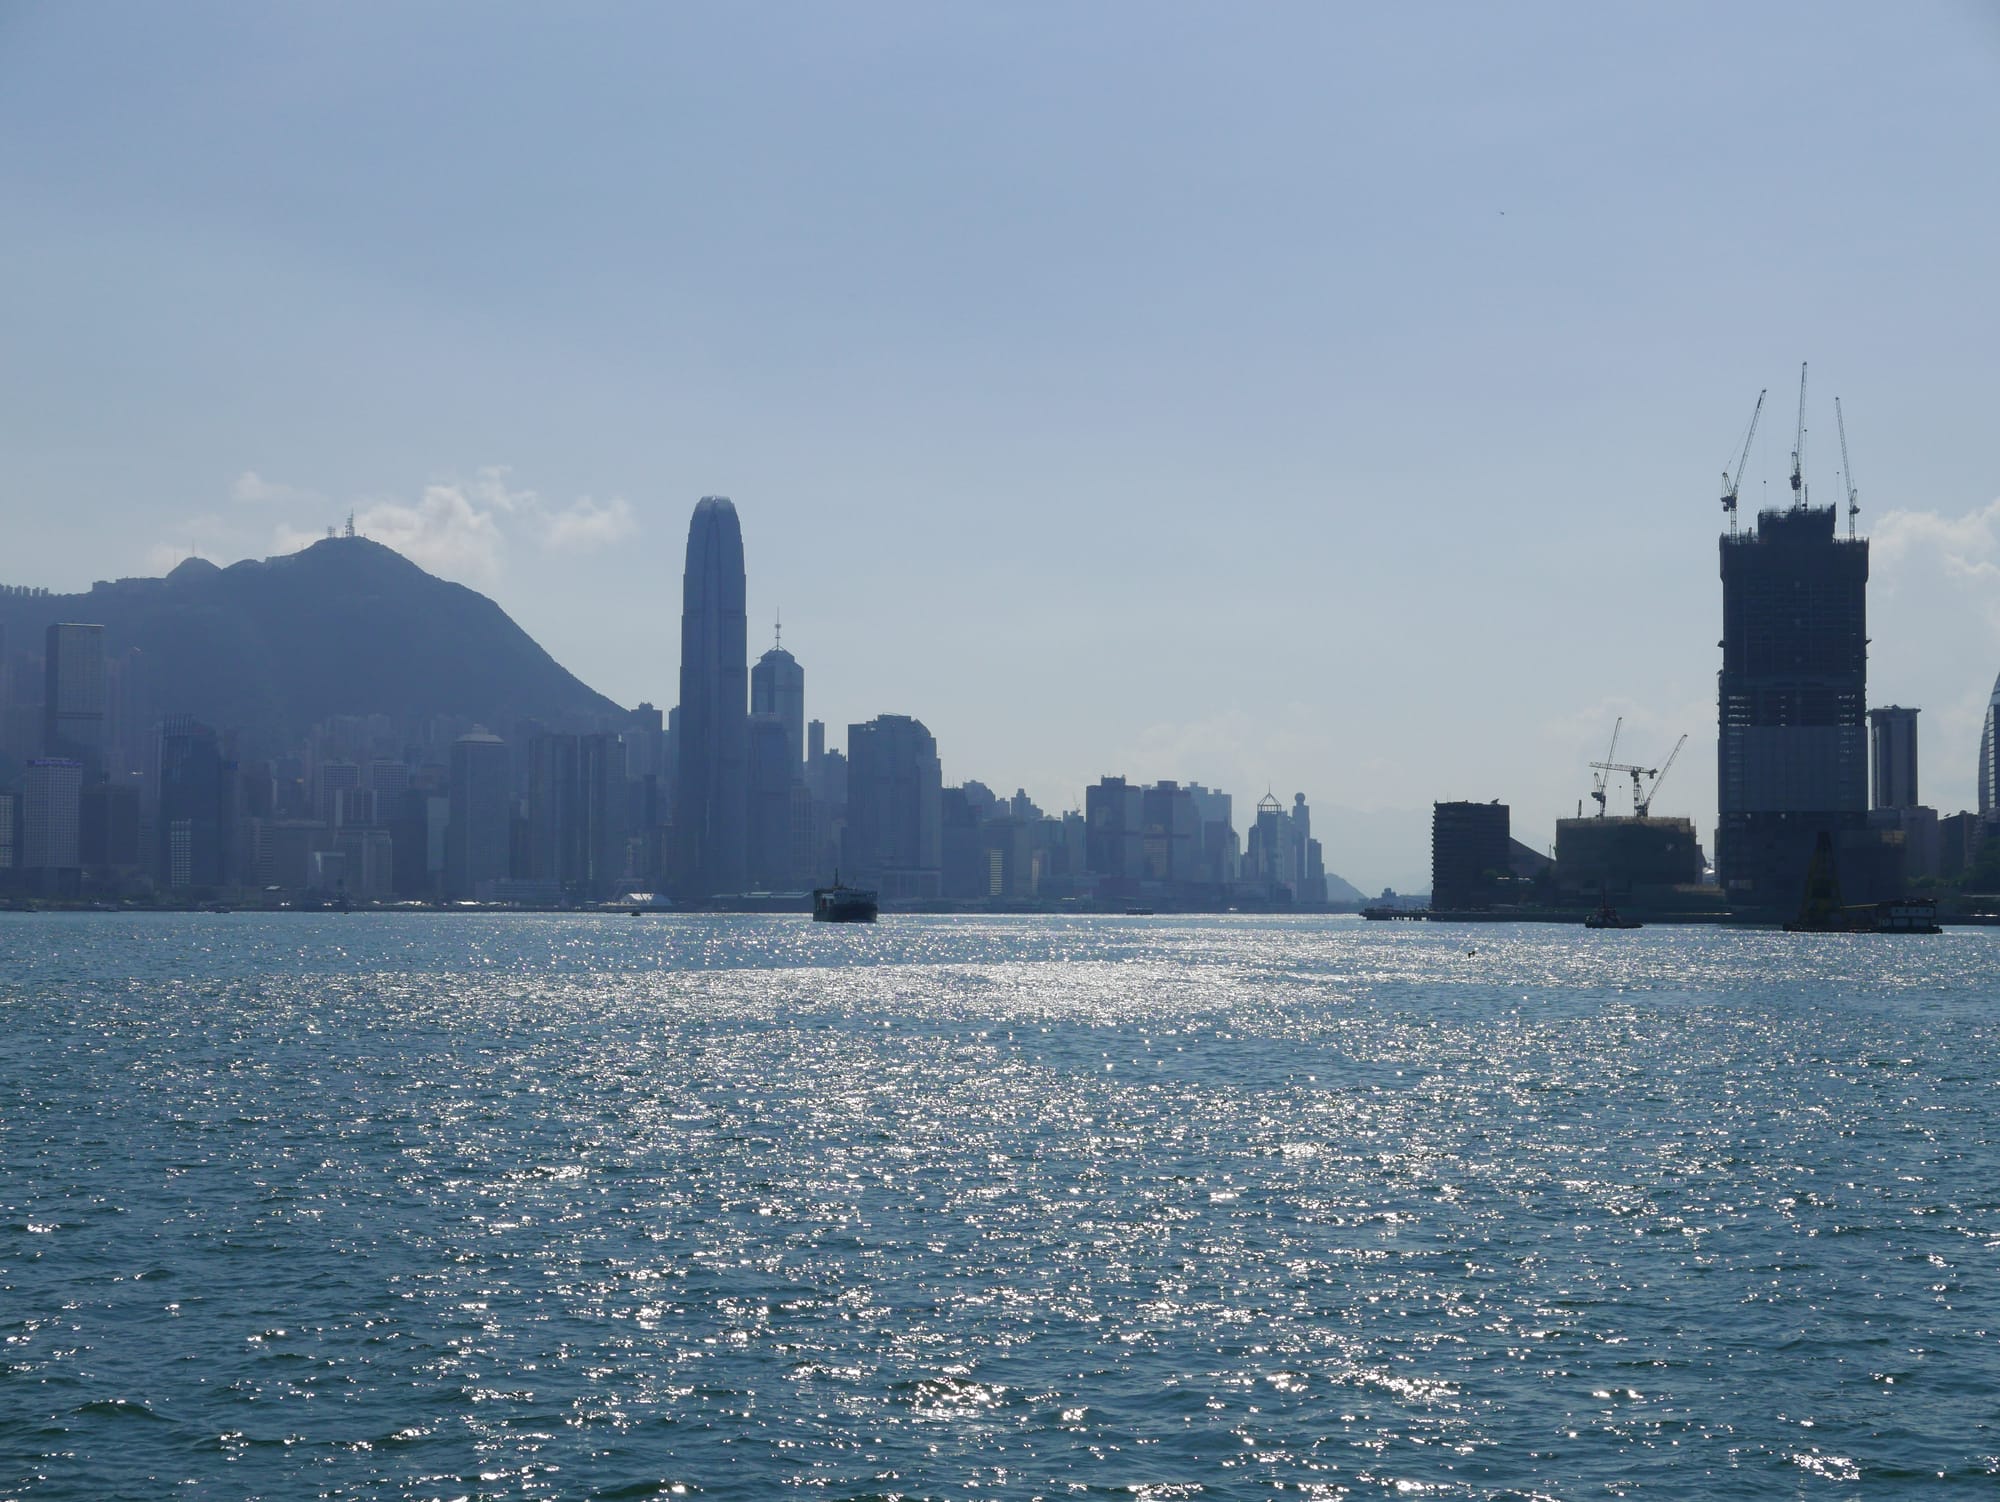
x=1989, y=757
x=1792, y=757
x=775, y=771
x=1471, y=854
x=778, y=687
x=1892, y=738
x=576, y=806
x=711, y=801
x=1114, y=813
x=10, y=831
x=478, y=836
x=894, y=835
x=51, y=808
x=196, y=804
x=73, y=695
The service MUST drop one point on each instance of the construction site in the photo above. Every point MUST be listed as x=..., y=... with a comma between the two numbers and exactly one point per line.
x=1637, y=860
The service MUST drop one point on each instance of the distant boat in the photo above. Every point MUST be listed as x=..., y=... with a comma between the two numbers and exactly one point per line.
x=839, y=904
x=1608, y=916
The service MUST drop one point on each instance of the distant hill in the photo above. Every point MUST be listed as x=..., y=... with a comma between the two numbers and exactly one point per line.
x=345, y=627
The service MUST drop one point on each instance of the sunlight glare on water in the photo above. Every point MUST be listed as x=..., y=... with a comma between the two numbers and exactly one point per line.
x=449, y=1206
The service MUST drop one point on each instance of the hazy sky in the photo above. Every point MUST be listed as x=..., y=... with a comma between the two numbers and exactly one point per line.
x=1322, y=397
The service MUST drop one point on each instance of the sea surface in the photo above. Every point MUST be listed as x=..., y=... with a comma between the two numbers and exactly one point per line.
x=441, y=1206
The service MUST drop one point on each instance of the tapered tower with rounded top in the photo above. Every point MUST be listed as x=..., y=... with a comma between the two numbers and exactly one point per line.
x=711, y=799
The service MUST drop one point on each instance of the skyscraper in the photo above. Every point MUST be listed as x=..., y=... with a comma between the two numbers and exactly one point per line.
x=895, y=808
x=712, y=799
x=51, y=800
x=480, y=826
x=1792, y=752
x=778, y=687
x=1989, y=756
x=73, y=694
x=197, y=800
x=1893, y=766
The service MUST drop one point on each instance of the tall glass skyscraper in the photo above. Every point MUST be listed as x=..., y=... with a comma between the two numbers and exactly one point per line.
x=1989, y=755
x=712, y=795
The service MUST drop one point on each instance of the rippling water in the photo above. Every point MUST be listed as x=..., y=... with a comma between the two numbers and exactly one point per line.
x=444, y=1206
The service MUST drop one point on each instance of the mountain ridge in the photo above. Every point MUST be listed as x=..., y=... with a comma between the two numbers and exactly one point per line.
x=345, y=626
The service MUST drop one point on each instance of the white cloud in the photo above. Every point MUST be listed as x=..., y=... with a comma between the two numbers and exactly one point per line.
x=252, y=489
x=444, y=532
x=587, y=524
x=1967, y=545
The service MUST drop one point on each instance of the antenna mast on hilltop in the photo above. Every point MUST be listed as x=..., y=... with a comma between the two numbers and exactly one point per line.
x=350, y=525
x=1847, y=470
x=1730, y=484
x=1799, y=447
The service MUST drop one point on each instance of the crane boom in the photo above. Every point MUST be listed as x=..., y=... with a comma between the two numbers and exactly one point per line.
x=1799, y=445
x=1597, y=784
x=1846, y=470
x=1645, y=808
x=1731, y=483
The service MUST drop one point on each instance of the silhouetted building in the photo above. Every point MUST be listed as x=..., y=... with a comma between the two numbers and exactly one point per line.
x=1170, y=834
x=108, y=833
x=51, y=796
x=1989, y=756
x=196, y=801
x=73, y=695
x=10, y=831
x=1114, y=813
x=778, y=687
x=1471, y=854
x=1625, y=860
x=1792, y=757
x=711, y=803
x=1892, y=735
x=775, y=770
x=576, y=797
x=895, y=791
x=479, y=836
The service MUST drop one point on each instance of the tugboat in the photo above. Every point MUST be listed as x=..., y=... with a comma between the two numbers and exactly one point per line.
x=1608, y=916
x=839, y=904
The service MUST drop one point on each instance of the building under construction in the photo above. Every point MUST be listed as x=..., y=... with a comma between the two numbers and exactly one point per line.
x=1638, y=861
x=1633, y=862
x=1792, y=740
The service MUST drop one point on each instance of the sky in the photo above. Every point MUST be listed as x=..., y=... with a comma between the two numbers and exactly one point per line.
x=1314, y=397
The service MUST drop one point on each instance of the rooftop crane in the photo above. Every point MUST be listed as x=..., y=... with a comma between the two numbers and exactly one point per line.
x=1847, y=471
x=1636, y=773
x=1799, y=446
x=1597, y=784
x=1644, y=808
x=1731, y=483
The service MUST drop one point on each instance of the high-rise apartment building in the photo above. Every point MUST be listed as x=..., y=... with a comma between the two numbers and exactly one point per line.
x=73, y=695
x=1892, y=735
x=1791, y=754
x=711, y=801
x=895, y=787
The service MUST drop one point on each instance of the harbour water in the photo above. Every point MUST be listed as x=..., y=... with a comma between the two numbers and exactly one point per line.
x=495, y=1207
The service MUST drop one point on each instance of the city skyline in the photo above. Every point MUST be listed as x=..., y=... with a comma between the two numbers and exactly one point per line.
x=1413, y=423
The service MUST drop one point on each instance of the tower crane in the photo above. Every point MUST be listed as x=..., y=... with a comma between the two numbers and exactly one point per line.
x=1644, y=808
x=1601, y=767
x=1608, y=767
x=1799, y=446
x=1732, y=483
x=1847, y=471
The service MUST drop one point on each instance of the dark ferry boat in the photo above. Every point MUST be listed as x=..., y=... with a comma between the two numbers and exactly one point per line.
x=839, y=904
